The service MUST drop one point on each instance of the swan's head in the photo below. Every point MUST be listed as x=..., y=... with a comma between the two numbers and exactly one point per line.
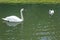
x=21, y=9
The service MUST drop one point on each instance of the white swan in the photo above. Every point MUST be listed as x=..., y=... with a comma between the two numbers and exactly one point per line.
x=51, y=12
x=14, y=18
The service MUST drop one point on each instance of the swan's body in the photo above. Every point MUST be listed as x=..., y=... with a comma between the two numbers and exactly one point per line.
x=14, y=18
x=51, y=12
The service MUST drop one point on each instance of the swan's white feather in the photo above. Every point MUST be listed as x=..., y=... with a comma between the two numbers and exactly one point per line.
x=12, y=19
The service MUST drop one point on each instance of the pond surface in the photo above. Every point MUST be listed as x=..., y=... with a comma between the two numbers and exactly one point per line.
x=37, y=24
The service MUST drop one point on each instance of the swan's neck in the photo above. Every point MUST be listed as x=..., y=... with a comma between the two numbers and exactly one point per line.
x=21, y=15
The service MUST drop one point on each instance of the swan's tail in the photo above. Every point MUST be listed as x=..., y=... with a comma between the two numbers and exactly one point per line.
x=3, y=18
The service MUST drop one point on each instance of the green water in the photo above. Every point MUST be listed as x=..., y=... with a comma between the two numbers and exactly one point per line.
x=37, y=25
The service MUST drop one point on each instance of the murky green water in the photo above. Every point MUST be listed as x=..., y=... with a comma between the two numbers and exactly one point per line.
x=37, y=25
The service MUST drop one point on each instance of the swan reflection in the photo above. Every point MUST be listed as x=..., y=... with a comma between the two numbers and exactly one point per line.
x=12, y=23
